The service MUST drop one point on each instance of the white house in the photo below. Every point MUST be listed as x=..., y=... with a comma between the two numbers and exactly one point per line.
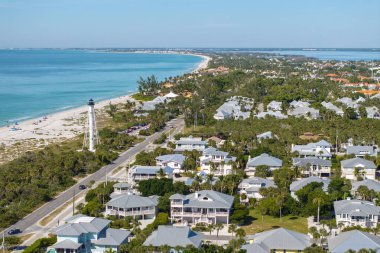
x=264, y=159
x=274, y=106
x=201, y=207
x=84, y=234
x=330, y=106
x=264, y=136
x=351, y=168
x=190, y=143
x=356, y=213
x=313, y=166
x=251, y=186
x=373, y=112
x=127, y=205
x=235, y=108
x=174, y=161
x=320, y=149
x=219, y=161
x=353, y=241
x=138, y=173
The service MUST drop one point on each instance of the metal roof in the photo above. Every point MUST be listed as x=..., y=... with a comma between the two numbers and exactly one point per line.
x=358, y=162
x=208, y=199
x=281, y=239
x=178, y=158
x=80, y=224
x=361, y=150
x=131, y=201
x=353, y=240
x=114, y=237
x=297, y=161
x=66, y=244
x=174, y=236
x=371, y=184
x=264, y=159
x=352, y=206
x=297, y=185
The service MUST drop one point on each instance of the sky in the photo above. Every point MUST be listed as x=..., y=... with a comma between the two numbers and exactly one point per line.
x=190, y=23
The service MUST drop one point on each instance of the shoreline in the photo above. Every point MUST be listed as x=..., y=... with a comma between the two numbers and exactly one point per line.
x=59, y=126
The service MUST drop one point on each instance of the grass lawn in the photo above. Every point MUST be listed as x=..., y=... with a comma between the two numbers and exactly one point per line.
x=257, y=225
x=141, y=97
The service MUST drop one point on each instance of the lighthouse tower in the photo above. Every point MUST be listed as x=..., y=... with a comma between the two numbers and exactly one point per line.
x=91, y=137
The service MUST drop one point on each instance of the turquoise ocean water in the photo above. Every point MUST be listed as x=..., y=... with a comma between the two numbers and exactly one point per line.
x=34, y=83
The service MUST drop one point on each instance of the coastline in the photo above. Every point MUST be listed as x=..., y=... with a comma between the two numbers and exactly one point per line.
x=59, y=126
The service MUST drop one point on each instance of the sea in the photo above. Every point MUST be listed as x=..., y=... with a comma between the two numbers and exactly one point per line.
x=34, y=83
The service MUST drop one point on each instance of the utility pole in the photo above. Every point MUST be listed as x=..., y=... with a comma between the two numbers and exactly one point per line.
x=106, y=174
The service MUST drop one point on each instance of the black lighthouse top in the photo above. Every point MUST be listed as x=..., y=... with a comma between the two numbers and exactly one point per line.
x=91, y=102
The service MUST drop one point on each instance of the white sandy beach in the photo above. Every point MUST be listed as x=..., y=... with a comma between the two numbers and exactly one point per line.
x=56, y=127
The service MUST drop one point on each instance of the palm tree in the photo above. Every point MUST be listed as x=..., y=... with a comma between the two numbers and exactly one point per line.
x=218, y=227
x=318, y=201
x=232, y=228
x=240, y=233
x=209, y=178
x=210, y=228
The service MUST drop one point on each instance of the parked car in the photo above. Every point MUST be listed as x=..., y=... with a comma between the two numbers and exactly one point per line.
x=82, y=187
x=14, y=231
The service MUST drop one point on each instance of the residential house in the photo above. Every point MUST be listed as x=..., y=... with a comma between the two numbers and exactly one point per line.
x=138, y=173
x=373, y=112
x=83, y=234
x=313, y=166
x=274, y=106
x=174, y=236
x=369, y=183
x=353, y=241
x=299, y=184
x=218, y=141
x=330, y=106
x=264, y=159
x=361, y=151
x=278, y=240
x=126, y=205
x=320, y=149
x=214, y=161
x=122, y=188
x=151, y=105
x=201, y=207
x=174, y=161
x=356, y=213
x=307, y=112
x=235, y=108
x=275, y=114
x=170, y=96
x=348, y=102
x=251, y=187
x=296, y=104
x=204, y=177
x=190, y=143
x=264, y=136
x=358, y=167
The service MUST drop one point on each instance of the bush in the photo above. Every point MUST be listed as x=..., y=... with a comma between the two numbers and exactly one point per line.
x=40, y=245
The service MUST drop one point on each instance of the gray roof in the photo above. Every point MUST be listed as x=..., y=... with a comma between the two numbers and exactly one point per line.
x=304, y=111
x=276, y=114
x=66, y=244
x=302, y=162
x=356, y=206
x=232, y=108
x=372, y=112
x=282, y=239
x=274, y=105
x=80, y=224
x=358, y=162
x=190, y=141
x=299, y=184
x=255, y=248
x=178, y=158
x=264, y=159
x=139, y=169
x=122, y=185
x=131, y=201
x=256, y=183
x=114, y=237
x=296, y=104
x=332, y=107
x=214, y=151
x=371, y=184
x=361, y=150
x=267, y=134
x=353, y=240
x=208, y=199
x=174, y=236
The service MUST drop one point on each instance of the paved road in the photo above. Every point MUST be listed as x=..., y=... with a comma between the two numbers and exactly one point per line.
x=67, y=195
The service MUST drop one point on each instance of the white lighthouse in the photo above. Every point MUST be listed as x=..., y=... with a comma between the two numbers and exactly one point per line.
x=91, y=137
